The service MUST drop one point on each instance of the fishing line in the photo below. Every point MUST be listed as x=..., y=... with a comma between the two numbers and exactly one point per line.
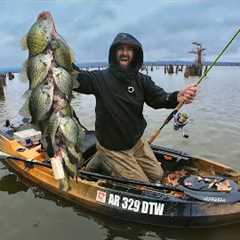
x=171, y=115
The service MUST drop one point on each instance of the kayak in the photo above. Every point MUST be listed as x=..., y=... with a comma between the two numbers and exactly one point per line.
x=195, y=201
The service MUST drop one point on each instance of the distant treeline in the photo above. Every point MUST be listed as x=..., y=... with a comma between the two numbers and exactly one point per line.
x=163, y=63
x=148, y=63
x=158, y=63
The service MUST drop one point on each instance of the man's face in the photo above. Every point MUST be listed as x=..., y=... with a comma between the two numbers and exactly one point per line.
x=124, y=55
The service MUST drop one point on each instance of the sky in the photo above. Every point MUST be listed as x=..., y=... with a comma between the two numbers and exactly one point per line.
x=166, y=28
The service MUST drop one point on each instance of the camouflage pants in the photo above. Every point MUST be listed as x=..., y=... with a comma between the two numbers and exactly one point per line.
x=139, y=162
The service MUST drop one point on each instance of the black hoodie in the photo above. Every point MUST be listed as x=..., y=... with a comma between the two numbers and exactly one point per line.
x=120, y=96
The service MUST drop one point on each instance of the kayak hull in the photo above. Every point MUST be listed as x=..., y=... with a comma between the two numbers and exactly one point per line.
x=122, y=201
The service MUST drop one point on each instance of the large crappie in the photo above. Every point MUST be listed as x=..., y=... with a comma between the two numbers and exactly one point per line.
x=62, y=106
x=70, y=164
x=70, y=130
x=50, y=131
x=61, y=127
x=63, y=82
x=63, y=55
x=41, y=101
x=37, y=68
x=74, y=154
x=40, y=34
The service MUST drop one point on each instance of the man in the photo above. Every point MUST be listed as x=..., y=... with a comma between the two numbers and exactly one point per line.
x=121, y=91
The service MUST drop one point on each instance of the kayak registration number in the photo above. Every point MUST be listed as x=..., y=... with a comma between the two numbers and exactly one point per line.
x=130, y=204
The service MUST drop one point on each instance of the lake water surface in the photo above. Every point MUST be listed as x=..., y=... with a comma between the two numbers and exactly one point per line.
x=27, y=212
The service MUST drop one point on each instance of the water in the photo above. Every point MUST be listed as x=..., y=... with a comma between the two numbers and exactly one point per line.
x=29, y=213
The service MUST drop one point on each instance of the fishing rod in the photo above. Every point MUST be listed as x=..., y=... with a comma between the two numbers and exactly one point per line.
x=29, y=163
x=206, y=196
x=171, y=115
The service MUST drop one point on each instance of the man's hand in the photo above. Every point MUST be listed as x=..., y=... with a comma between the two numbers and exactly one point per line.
x=187, y=94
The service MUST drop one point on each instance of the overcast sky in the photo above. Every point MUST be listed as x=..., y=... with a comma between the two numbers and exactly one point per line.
x=166, y=28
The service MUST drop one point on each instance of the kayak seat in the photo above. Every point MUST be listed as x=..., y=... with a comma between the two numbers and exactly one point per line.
x=171, y=160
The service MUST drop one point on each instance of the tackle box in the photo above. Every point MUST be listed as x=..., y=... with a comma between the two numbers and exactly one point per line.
x=28, y=137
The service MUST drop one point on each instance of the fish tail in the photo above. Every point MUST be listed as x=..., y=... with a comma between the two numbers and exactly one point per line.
x=72, y=55
x=24, y=110
x=23, y=73
x=27, y=94
x=64, y=185
x=24, y=42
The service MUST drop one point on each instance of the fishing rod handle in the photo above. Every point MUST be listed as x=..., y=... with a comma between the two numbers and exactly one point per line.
x=154, y=136
x=180, y=104
x=170, y=116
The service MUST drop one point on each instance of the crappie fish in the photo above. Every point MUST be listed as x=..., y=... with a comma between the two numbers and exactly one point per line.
x=74, y=153
x=70, y=164
x=64, y=109
x=69, y=130
x=67, y=110
x=63, y=81
x=62, y=53
x=49, y=133
x=40, y=34
x=37, y=68
x=51, y=130
x=40, y=102
x=48, y=69
x=61, y=105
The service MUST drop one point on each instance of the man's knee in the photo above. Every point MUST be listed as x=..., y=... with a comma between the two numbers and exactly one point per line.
x=157, y=174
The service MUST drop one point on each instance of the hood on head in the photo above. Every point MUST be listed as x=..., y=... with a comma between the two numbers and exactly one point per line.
x=127, y=39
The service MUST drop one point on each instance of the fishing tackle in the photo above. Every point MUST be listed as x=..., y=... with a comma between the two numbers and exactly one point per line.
x=179, y=122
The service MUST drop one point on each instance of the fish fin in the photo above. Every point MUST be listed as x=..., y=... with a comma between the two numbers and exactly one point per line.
x=64, y=185
x=24, y=110
x=75, y=67
x=72, y=54
x=27, y=94
x=53, y=43
x=70, y=168
x=24, y=42
x=23, y=73
x=75, y=156
x=82, y=128
x=44, y=142
x=75, y=82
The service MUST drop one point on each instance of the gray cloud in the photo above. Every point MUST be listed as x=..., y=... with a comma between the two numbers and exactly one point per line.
x=165, y=28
